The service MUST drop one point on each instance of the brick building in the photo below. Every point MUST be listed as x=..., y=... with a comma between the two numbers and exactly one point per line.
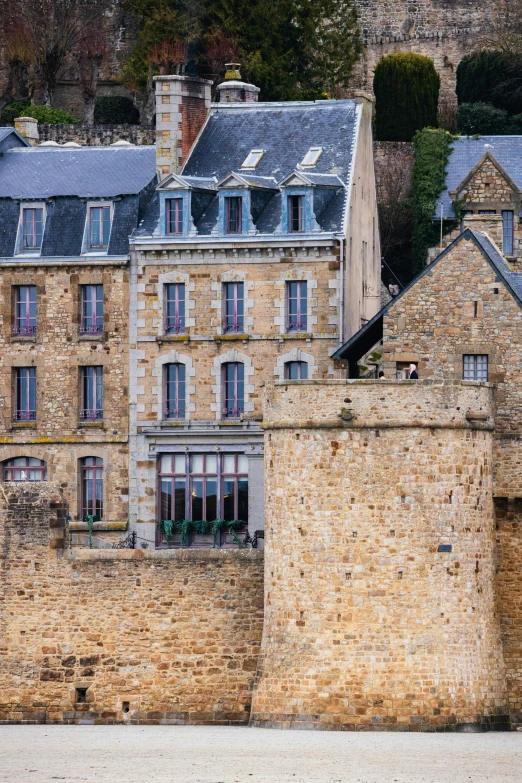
x=65, y=217
x=258, y=256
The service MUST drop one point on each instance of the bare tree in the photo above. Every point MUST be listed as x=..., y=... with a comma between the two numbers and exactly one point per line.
x=220, y=49
x=91, y=53
x=393, y=172
x=52, y=30
x=504, y=32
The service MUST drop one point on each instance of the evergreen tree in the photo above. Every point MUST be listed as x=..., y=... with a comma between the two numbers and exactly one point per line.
x=406, y=88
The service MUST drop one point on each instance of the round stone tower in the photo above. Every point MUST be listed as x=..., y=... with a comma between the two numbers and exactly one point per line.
x=379, y=595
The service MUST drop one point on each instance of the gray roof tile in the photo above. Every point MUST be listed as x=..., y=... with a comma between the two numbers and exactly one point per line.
x=466, y=153
x=89, y=172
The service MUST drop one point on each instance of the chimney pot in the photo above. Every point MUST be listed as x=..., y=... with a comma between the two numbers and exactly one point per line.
x=234, y=90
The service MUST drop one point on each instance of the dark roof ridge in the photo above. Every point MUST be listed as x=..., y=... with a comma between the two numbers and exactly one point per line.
x=488, y=249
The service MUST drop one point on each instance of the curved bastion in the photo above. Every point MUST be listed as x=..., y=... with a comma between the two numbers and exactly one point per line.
x=379, y=558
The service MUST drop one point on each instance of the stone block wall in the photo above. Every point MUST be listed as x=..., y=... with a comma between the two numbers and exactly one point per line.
x=121, y=636
x=379, y=547
x=97, y=135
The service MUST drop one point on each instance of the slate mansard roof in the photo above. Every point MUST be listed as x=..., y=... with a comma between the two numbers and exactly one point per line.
x=467, y=152
x=285, y=132
x=65, y=180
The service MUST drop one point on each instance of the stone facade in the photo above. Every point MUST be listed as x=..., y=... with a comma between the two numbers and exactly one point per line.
x=120, y=636
x=461, y=307
x=379, y=551
x=97, y=135
x=57, y=351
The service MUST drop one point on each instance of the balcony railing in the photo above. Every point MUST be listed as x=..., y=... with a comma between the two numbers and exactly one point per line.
x=234, y=323
x=297, y=324
x=24, y=415
x=174, y=413
x=24, y=330
x=90, y=327
x=91, y=414
x=233, y=413
x=175, y=324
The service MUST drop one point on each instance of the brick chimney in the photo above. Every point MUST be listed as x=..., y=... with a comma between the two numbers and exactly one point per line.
x=182, y=106
x=486, y=224
x=28, y=128
x=233, y=90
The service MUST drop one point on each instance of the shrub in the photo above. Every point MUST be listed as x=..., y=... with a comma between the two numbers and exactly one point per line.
x=432, y=151
x=491, y=77
x=482, y=118
x=406, y=88
x=115, y=110
x=46, y=115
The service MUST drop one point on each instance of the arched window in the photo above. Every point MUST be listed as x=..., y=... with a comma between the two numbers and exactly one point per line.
x=25, y=469
x=296, y=371
x=174, y=391
x=234, y=390
x=92, y=487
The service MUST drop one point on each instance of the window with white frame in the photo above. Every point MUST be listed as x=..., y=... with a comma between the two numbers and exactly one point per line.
x=475, y=367
x=174, y=216
x=24, y=310
x=99, y=221
x=174, y=306
x=296, y=306
x=312, y=156
x=233, y=307
x=233, y=381
x=91, y=393
x=174, y=391
x=92, y=309
x=32, y=229
x=24, y=403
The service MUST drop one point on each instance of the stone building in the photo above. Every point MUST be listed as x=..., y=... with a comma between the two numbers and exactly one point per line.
x=258, y=256
x=65, y=217
x=461, y=319
x=483, y=178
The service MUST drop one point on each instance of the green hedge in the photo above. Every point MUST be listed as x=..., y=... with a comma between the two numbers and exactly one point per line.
x=46, y=115
x=432, y=151
x=115, y=110
x=485, y=119
x=406, y=88
x=491, y=77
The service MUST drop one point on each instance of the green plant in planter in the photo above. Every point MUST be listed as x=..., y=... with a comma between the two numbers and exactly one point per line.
x=167, y=525
x=184, y=526
x=223, y=524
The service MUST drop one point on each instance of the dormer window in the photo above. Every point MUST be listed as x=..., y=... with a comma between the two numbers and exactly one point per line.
x=99, y=228
x=174, y=216
x=252, y=159
x=295, y=213
x=33, y=225
x=233, y=214
x=312, y=156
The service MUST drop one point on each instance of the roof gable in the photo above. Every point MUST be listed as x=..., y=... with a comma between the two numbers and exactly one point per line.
x=360, y=342
x=486, y=158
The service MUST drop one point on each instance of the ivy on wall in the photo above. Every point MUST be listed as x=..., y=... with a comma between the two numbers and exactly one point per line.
x=432, y=151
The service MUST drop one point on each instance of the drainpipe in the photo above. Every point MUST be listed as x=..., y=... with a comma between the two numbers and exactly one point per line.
x=341, y=296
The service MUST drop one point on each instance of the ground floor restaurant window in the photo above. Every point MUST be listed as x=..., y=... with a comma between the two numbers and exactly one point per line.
x=203, y=499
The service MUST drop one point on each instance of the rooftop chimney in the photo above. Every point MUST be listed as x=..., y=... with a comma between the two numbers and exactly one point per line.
x=233, y=90
x=28, y=128
x=486, y=224
x=182, y=106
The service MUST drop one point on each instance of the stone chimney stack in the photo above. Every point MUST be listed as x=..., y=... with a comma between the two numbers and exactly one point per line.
x=233, y=90
x=486, y=224
x=182, y=106
x=28, y=128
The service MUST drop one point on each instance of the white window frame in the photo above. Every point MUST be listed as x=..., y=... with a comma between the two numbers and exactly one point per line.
x=258, y=155
x=475, y=356
x=86, y=248
x=313, y=154
x=19, y=249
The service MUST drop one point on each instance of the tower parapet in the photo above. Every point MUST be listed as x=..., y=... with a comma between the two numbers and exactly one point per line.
x=379, y=594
